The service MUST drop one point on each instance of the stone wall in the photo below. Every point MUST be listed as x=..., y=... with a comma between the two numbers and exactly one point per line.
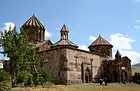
x=35, y=34
x=69, y=65
x=56, y=64
x=75, y=60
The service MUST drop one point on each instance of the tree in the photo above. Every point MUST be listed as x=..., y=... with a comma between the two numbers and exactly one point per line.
x=23, y=55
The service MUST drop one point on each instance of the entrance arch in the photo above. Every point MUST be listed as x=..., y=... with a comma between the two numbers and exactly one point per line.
x=123, y=76
x=87, y=75
x=115, y=76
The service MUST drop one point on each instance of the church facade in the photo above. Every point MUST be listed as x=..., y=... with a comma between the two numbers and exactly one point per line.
x=69, y=65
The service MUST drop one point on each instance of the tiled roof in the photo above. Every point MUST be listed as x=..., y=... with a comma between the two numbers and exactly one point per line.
x=64, y=28
x=63, y=42
x=33, y=22
x=100, y=41
x=39, y=44
x=125, y=57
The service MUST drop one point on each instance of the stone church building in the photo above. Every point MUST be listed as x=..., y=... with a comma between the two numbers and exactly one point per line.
x=69, y=65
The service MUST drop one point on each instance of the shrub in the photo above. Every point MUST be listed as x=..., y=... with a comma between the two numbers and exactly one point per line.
x=41, y=78
x=4, y=76
x=29, y=80
x=5, y=86
x=33, y=79
x=25, y=77
x=136, y=78
x=46, y=76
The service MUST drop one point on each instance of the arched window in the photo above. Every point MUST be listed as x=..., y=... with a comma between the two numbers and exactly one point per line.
x=108, y=52
x=64, y=35
x=39, y=33
x=36, y=35
x=76, y=61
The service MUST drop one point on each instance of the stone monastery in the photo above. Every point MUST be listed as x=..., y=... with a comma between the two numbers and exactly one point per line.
x=69, y=65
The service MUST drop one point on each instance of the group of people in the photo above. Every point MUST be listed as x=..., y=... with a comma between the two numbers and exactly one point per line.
x=103, y=81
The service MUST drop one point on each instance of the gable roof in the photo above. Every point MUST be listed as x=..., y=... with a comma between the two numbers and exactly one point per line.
x=125, y=57
x=100, y=41
x=33, y=22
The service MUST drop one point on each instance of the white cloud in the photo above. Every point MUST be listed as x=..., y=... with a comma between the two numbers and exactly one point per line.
x=113, y=54
x=136, y=27
x=57, y=28
x=7, y=26
x=137, y=24
x=83, y=47
x=120, y=41
x=47, y=34
x=5, y=58
x=123, y=44
x=133, y=56
x=138, y=20
x=92, y=38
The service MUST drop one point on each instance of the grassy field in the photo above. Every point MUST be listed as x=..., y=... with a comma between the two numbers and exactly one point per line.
x=135, y=69
x=83, y=87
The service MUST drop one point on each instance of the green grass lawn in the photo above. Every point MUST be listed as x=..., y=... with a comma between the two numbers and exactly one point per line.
x=83, y=87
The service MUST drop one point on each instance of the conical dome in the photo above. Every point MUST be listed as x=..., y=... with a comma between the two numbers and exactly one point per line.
x=100, y=41
x=33, y=22
x=34, y=29
x=117, y=54
x=64, y=28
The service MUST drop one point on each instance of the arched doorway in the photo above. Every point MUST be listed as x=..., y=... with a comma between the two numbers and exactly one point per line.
x=115, y=76
x=87, y=75
x=123, y=76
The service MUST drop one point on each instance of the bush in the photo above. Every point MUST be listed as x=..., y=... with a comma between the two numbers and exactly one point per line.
x=38, y=80
x=25, y=77
x=136, y=78
x=41, y=78
x=5, y=86
x=33, y=79
x=4, y=76
x=29, y=80
x=46, y=77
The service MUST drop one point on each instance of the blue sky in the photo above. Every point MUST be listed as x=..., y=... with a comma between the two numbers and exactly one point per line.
x=118, y=21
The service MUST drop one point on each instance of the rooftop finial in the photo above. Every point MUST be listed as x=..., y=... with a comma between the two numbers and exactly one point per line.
x=99, y=35
x=64, y=25
x=33, y=14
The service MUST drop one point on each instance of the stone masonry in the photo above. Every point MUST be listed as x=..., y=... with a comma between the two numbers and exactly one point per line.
x=69, y=65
